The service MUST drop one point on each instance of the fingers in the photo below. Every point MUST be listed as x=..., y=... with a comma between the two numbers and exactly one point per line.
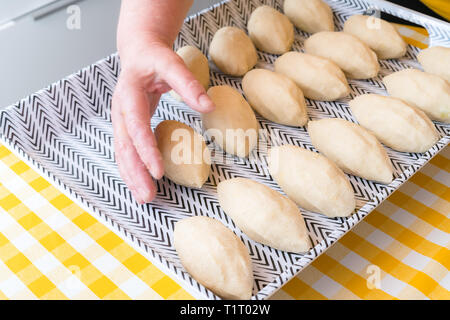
x=132, y=169
x=173, y=71
x=135, y=99
x=136, y=110
x=134, y=173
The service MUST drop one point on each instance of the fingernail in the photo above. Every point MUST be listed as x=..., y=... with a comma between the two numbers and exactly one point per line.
x=145, y=195
x=136, y=195
x=138, y=198
x=156, y=171
x=205, y=102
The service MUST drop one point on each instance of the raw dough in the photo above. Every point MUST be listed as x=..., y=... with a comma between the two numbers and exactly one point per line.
x=319, y=78
x=352, y=55
x=197, y=63
x=232, y=51
x=312, y=181
x=264, y=215
x=215, y=257
x=187, y=160
x=394, y=123
x=309, y=15
x=275, y=97
x=436, y=60
x=232, y=124
x=354, y=149
x=378, y=34
x=423, y=90
x=270, y=30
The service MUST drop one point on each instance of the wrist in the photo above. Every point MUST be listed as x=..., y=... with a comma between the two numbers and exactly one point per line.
x=138, y=40
x=150, y=20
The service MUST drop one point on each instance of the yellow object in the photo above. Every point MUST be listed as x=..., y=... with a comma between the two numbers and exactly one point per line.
x=68, y=252
x=418, y=36
x=400, y=240
x=415, y=36
x=441, y=7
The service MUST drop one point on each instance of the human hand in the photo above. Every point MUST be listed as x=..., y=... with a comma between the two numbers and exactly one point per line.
x=149, y=67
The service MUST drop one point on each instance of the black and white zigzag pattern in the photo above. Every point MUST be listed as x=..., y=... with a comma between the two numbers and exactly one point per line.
x=65, y=132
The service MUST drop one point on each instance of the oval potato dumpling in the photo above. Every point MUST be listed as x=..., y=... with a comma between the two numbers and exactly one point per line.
x=312, y=181
x=378, y=34
x=264, y=215
x=197, y=63
x=354, y=149
x=215, y=257
x=186, y=158
x=436, y=60
x=309, y=15
x=232, y=51
x=232, y=124
x=270, y=30
x=352, y=55
x=319, y=78
x=423, y=90
x=394, y=123
x=275, y=97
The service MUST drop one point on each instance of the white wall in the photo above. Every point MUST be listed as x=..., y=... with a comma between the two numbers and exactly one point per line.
x=35, y=53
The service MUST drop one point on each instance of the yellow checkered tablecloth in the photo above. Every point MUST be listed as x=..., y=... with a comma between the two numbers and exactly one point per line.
x=50, y=248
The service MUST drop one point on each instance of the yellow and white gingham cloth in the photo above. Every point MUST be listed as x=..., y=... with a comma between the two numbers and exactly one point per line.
x=50, y=248
x=407, y=239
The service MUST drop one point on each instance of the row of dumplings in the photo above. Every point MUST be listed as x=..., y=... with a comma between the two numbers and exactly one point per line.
x=332, y=56
x=209, y=251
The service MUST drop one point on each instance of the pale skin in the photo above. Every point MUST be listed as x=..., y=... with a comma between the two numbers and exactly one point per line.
x=149, y=68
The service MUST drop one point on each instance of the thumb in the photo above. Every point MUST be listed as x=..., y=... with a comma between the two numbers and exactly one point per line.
x=175, y=73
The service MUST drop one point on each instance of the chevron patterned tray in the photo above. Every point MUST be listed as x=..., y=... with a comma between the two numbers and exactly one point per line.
x=64, y=131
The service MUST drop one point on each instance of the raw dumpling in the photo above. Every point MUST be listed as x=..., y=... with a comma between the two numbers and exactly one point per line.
x=186, y=158
x=264, y=215
x=378, y=34
x=312, y=181
x=309, y=15
x=354, y=149
x=215, y=257
x=319, y=78
x=232, y=124
x=423, y=90
x=394, y=123
x=275, y=97
x=197, y=63
x=232, y=51
x=270, y=30
x=352, y=55
x=436, y=60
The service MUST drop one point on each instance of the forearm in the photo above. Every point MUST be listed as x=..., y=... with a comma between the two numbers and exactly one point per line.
x=151, y=20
